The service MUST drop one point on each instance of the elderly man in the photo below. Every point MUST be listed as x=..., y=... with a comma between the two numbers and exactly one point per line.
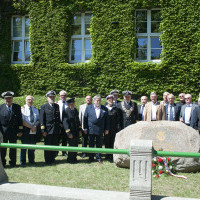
x=187, y=110
x=96, y=123
x=129, y=110
x=172, y=110
x=195, y=117
x=182, y=99
x=88, y=101
x=11, y=125
x=165, y=94
x=153, y=110
x=30, y=116
x=141, y=108
x=50, y=125
x=62, y=107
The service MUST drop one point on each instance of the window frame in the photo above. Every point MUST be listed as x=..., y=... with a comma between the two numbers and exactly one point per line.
x=148, y=35
x=23, y=39
x=81, y=37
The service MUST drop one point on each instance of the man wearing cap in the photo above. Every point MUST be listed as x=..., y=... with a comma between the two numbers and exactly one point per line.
x=88, y=101
x=50, y=125
x=11, y=125
x=96, y=123
x=141, y=108
x=154, y=111
x=129, y=110
x=72, y=128
x=30, y=116
x=62, y=107
x=115, y=125
x=115, y=93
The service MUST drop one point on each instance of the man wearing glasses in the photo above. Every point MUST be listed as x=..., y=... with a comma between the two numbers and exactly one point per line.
x=182, y=99
x=187, y=109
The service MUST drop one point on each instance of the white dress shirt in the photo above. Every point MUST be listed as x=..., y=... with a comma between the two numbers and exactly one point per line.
x=153, y=111
x=60, y=103
x=26, y=115
x=97, y=111
x=188, y=109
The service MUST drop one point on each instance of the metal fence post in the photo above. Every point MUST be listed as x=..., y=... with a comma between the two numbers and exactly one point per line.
x=141, y=170
x=3, y=175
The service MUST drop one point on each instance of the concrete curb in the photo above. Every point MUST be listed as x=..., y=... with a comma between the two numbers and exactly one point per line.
x=23, y=191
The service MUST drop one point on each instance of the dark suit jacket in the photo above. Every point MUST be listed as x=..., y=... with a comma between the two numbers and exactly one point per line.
x=177, y=110
x=126, y=121
x=92, y=124
x=139, y=114
x=11, y=125
x=182, y=113
x=195, y=118
x=71, y=122
x=50, y=118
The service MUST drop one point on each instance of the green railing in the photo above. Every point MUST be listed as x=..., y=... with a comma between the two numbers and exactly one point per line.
x=96, y=150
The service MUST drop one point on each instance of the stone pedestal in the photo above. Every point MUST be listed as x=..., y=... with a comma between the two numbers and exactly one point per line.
x=140, y=170
x=3, y=175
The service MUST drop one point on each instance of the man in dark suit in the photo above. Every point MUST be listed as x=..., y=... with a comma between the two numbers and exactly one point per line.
x=195, y=118
x=96, y=123
x=187, y=110
x=72, y=128
x=141, y=108
x=172, y=110
x=129, y=110
x=50, y=125
x=11, y=125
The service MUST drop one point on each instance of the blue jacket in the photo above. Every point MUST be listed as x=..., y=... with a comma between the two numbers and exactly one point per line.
x=92, y=124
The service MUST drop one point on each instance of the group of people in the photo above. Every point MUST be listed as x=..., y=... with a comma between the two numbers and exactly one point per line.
x=97, y=124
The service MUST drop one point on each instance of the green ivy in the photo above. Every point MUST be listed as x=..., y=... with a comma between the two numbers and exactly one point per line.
x=113, y=46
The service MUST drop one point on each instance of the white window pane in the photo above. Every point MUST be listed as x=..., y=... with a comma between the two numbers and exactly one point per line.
x=141, y=15
x=141, y=42
x=77, y=19
x=87, y=44
x=88, y=17
x=155, y=42
x=17, y=31
x=17, y=56
x=27, y=51
x=76, y=55
x=77, y=45
x=76, y=29
x=141, y=27
x=155, y=54
x=88, y=54
x=17, y=21
x=27, y=24
x=17, y=46
x=155, y=15
x=141, y=54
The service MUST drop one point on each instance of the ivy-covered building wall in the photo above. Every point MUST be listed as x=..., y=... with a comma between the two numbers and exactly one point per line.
x=113, y=35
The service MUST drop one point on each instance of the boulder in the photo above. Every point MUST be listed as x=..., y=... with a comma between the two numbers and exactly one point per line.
x=166, y=135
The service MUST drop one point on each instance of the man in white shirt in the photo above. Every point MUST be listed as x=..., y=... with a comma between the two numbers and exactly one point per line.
x=187, y=109
x=62, y=107
x=88, y=101
x=153, y=110
x=30, y=117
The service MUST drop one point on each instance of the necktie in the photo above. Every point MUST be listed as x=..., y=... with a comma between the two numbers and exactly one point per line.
x=31, y=115
x=171, y=114
x=63, y=109
x=10, y=112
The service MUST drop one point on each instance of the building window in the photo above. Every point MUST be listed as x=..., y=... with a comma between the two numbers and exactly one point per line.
x=147, y=33
x=80, y=47
x=20, y=39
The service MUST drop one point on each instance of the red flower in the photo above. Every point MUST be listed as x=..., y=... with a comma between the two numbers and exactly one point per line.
x=153, y=165
x=157, y=176
x=160, y=160
x=168, y=159
x=160, y=172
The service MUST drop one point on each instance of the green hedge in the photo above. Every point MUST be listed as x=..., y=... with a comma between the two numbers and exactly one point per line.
x=112, y=65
